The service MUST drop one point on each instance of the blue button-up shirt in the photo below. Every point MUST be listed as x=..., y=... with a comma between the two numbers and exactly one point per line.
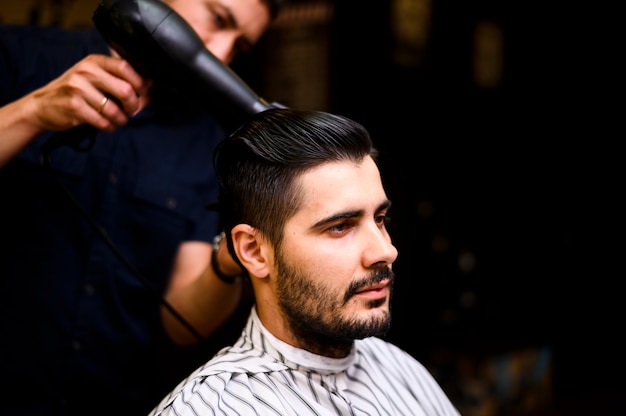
x=77, y=324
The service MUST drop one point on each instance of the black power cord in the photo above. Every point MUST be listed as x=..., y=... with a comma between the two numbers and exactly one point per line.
x=82, y=138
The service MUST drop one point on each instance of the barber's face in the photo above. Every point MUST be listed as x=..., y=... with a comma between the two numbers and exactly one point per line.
x=334, y=268
x=226, y=27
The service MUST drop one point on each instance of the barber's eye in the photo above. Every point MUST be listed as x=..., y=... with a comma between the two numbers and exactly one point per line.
x=219, y=20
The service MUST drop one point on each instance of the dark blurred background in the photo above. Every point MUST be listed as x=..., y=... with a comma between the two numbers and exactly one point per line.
x=499, y=150
x=499, y=138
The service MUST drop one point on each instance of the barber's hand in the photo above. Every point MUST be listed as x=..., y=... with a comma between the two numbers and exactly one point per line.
x=99, y=90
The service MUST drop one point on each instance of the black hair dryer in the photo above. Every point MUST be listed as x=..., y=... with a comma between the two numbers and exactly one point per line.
x=161, y=45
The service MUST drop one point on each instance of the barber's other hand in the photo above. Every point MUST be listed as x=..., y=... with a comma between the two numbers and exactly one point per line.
x=99, y=90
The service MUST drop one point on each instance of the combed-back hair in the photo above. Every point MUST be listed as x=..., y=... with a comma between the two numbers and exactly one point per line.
x=258, y=164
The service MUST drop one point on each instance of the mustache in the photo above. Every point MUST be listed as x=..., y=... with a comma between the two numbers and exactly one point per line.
x=373, y=278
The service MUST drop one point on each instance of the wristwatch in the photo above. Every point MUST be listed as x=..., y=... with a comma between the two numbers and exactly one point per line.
x=223, y=277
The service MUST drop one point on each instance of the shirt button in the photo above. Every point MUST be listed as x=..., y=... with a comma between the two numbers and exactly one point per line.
x=112, y=178
x=89, y=289
x=170, y=203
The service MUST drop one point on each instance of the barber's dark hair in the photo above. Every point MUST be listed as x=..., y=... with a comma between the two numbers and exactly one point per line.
x=257, y=165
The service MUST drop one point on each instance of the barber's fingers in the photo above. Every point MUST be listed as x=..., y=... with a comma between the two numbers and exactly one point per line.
x=116, y=78
x=121, y=69
x=78, y=95
x=108, y=112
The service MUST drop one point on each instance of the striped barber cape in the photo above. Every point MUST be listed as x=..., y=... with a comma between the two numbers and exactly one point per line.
x=261, y=375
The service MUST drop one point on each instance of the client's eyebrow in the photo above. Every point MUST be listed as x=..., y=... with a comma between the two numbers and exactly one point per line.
x=339, y=216
x=349, y=214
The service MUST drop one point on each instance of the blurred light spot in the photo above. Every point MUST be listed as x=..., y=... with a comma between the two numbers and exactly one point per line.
x=466, y=262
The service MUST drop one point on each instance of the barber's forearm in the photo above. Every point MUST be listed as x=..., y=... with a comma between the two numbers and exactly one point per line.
x=205, y=304
x=17, y=129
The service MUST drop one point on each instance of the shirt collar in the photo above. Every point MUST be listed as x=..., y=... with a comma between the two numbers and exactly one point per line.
x=298, y=358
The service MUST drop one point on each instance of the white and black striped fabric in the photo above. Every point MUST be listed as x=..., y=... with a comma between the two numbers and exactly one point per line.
x=261, y=375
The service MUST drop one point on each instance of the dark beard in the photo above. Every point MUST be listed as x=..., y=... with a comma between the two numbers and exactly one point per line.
x=313, y=313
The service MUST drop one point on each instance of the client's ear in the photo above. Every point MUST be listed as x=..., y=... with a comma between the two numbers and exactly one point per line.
x=251, y=250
